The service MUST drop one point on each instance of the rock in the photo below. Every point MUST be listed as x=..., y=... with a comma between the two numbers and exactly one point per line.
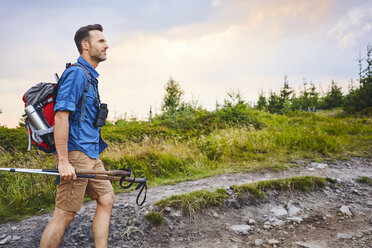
x=279, y=211
x=233, y=203
x=319, y=165
x=310, y=169
x=14, y=228
x=369, y=203
x=2, y=236
x=293, y=210
x=258, y=242
x=251, y=222
x=345, y=211
x=295, y=219
x=273, y=241
x=15, y=238
x=279, y=223
x=344, y=236
x=357, y=192
x=176, y=213
x=243, y=229
x=266, y=227
x=6, y=240
x=267, y=223
x=307, y=245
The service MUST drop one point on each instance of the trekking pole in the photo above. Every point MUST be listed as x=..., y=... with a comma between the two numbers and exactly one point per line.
x=116, y=175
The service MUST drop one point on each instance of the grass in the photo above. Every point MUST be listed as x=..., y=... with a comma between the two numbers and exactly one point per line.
x=256, y=190
x=192, y=203
x=21, y=194
x=154, y=218
x=188, y=149
x=365, y=180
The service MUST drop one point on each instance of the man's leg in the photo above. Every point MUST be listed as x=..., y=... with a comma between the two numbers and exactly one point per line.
x=53, y=233
x=102, y=217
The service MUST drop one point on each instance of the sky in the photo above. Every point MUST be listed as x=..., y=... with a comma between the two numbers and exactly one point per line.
x=210, y=47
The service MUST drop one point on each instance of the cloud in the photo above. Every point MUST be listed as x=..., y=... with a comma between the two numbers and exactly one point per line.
x=354, y=25
x=209, y=48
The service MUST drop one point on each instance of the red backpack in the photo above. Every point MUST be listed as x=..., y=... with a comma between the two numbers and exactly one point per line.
x=39, y=102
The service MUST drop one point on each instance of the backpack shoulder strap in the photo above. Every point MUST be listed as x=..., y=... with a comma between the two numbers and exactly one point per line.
x=83, y=97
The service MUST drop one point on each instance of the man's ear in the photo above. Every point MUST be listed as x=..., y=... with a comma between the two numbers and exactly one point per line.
x=85, y=45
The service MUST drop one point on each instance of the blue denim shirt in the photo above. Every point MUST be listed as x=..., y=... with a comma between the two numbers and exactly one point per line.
x=83, y=135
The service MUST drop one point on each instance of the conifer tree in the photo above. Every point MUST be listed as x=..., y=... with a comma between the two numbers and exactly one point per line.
x=173, y=96
x=261, y=103
x=333, y=97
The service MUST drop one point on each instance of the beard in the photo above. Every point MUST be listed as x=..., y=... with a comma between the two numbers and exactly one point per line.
x=98, y=56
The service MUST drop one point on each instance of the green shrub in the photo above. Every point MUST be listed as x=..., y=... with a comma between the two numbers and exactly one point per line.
x=365, y=180
x=134, y=131
x=155, y=218
x=13, y=139
x=151, y=164
x=255, y=190
x=192, y=202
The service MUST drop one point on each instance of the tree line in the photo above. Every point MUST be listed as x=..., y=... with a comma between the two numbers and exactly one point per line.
x=357, y=99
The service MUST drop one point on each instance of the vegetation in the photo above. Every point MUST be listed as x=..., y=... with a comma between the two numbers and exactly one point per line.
x=193, y=202
x=13, y=139
x=358, y=99
x=233, y=138
x=365, y=180
x=155, y=219
x=256, y=190
x=187, y=142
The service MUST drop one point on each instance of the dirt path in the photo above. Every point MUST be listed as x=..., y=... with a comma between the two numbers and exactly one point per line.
x=283, y=219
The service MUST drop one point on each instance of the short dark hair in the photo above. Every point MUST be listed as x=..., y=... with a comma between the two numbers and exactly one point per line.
x=83, y=33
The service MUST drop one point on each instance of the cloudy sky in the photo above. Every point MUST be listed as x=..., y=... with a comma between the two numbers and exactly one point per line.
x=208, y=46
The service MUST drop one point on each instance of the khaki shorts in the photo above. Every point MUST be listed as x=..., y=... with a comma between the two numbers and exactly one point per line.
x=70, y=194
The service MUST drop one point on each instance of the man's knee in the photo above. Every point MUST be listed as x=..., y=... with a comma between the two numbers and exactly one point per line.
x=63, y=216
x=106, y=200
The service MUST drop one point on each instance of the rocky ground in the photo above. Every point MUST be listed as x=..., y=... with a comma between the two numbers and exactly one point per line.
x=338, y=216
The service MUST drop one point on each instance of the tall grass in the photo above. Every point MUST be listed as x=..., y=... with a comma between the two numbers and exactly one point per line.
x=25, y=194
x=172, y=151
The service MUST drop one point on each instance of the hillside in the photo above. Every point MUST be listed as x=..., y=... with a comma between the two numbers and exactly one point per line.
x=338, y=215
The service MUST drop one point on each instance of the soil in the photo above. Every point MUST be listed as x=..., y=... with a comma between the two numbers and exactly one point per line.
x=282, y=219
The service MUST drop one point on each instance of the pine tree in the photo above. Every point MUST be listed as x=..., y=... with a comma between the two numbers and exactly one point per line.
x=285, y=94
x=173, y=96
x=333, y=97
x=274, y=103
x=361, y=98
x=261, y=103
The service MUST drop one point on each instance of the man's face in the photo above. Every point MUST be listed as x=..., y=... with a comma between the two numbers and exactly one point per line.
x=97, y=45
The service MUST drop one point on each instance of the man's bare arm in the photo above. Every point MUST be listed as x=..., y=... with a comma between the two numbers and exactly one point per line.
x=61, y=131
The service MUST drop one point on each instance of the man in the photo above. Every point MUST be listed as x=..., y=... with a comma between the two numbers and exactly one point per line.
x=78, y=142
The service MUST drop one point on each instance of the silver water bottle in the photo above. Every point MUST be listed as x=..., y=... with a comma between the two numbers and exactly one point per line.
x=36, y=121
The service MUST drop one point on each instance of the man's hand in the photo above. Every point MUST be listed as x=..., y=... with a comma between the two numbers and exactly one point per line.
x=66, y=171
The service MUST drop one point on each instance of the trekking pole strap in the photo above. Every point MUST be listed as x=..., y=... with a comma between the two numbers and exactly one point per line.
x=143, y=186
